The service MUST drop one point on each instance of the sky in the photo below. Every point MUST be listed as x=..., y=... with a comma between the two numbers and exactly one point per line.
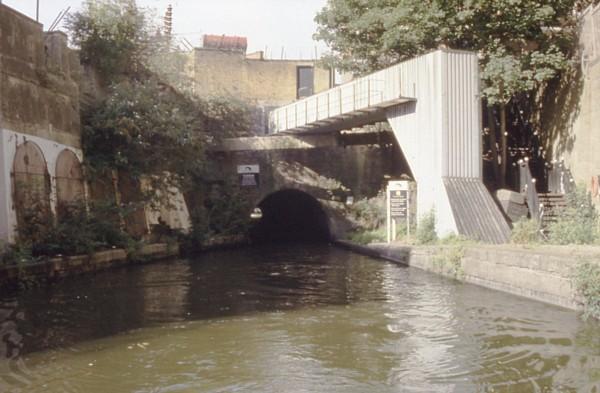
x=270, y=24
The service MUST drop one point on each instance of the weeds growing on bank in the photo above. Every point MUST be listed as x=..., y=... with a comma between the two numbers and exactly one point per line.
x=577, y=223
x=78, y=230
x=587, y=283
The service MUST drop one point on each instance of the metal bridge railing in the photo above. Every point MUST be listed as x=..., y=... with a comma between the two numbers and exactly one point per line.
x=360, y=94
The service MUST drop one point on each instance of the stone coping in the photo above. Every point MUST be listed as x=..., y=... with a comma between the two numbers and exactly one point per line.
x=59, y=267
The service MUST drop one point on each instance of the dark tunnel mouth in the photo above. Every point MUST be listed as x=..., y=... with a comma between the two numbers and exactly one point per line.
x=291, y=216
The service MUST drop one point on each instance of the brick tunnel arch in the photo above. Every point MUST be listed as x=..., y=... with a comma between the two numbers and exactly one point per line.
x=291, y=215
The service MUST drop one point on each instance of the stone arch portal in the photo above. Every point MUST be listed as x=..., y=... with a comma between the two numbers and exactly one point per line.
x=291, y=215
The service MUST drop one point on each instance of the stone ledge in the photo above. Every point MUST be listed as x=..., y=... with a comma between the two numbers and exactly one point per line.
x=541, y=273
x=59, y=267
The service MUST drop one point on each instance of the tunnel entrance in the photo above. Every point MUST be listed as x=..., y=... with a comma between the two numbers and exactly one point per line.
x=291, y=215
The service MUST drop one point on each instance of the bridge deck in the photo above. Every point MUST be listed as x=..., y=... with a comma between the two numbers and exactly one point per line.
x=354, y=104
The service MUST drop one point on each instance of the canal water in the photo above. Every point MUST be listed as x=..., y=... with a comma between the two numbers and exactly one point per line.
x=291, y=318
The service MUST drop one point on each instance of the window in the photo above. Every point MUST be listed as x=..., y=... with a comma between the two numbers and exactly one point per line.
x=306, y=78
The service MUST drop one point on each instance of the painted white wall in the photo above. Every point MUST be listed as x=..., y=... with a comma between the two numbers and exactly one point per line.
x=419, y=128
x=9, y=141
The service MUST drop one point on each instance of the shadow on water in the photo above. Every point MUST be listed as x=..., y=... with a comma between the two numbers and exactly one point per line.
x=220, y=284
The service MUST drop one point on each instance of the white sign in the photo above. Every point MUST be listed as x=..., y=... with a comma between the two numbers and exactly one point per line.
x=398, y=185
x=248, y=169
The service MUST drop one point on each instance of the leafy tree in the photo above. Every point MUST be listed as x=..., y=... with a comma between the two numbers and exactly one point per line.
x=147, y=129
x=113, y=36
x=522, y=44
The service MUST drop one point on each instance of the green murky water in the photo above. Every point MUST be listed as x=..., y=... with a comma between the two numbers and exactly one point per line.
x=292, y=318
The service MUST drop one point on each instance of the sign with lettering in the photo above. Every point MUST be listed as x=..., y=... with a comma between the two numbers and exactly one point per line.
x=399, y=203
x=398, y=207
x=249, y=180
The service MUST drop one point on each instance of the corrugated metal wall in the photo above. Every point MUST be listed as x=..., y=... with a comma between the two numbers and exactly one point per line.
x=462, y=114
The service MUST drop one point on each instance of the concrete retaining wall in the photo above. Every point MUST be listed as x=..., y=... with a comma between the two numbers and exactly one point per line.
x=540, y=273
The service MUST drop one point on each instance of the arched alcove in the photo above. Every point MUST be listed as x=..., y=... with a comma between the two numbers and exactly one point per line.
x=31, y=183
x=291, y=215
x=69, y=180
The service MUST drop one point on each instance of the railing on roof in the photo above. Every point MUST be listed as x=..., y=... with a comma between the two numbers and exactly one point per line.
x=590, y=34
x=357, y=95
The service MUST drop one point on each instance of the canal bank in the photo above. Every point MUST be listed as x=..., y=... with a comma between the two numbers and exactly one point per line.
x=542, y=273
x=288, y=318
x=64, y=266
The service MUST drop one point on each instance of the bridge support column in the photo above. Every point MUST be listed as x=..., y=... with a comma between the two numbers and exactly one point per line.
x=440, y=136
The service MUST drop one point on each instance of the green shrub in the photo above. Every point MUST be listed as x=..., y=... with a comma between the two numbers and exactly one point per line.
x=587, y=284
x=456, y=240
x=426, y=233
x=222, y=212
x=578, y=222
x=525, y=231
x=369, y=213
x=448, y=261
x=368, y=236
x=79, y=230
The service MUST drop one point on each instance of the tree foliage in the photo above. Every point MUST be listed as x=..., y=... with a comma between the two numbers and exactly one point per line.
x=521, y=43
x=145, y=128
x=144, y=125
x=113, y=36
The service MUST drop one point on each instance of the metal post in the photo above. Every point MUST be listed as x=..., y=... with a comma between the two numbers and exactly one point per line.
x=37, y=11
x=388, y=214
x=408, y=198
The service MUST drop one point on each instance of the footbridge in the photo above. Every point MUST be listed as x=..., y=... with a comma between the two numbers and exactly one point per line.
x=433, y=106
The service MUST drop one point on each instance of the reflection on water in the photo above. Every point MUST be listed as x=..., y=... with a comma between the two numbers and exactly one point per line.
x=294, y=318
